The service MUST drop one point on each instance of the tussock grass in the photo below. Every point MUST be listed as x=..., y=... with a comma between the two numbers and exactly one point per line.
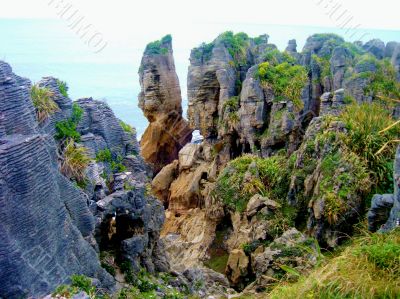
x=75, y=159
x=42, y=99
x=370, y=132
x=369, y=268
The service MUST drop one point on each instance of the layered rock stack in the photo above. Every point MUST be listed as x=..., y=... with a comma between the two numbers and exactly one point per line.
x=161, y=101
x=46, y=225
x=52, y=229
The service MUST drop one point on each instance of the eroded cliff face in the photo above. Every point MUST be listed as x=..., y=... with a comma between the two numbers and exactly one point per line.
x=46, y=224
x=51, y=228
x=239, y=111
x=161, y=102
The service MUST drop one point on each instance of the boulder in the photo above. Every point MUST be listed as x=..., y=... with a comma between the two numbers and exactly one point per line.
x=237, y=267
x=162, y=181
x=258, y=202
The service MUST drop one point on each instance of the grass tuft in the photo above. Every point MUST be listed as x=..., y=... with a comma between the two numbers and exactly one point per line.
x=74, y=161
x=43, y=101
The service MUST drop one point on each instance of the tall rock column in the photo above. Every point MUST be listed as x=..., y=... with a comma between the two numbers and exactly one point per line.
x=161, y=101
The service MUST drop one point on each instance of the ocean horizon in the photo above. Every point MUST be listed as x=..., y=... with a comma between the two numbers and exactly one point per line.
x=39, y=48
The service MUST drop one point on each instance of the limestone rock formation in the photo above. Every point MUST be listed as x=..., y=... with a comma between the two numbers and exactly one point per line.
x=45, y=221
x=161, y=102
x=243, y=115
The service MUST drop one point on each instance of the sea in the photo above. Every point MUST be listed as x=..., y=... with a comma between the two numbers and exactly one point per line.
x=36, y=48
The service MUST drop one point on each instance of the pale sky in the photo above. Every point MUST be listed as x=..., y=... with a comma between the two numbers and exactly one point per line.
x=109, y=16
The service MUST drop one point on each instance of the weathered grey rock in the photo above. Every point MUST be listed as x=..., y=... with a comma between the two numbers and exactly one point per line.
x=100, y=129
x=266, y=263
x=379, y=211
x=283, y=129
x=44, y=219
x=17, y=111
x=341, y=59
x=64, y=104
x=258, y=203
x=332, y=103
x=375, y=47
x=325, y=226
x=210, y=84
x=355, y=83
x=131, y=222
x=255, y=105
x=292, y=46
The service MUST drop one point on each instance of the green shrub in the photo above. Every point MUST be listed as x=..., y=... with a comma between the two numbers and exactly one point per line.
x=104, y=156
x=83, y=283
x=274, y=56
x=79, y=283
x=204, y=51
x=286, y=80
x=236, y=45
x=43, y=101
x=158, y=47
x=327, y=36
x=127, y=128
x=67, y=128
x=269, y=178
x=324, y=66
x=63, y=88
x=382, y=251
x=384, y=81
x=166, y=39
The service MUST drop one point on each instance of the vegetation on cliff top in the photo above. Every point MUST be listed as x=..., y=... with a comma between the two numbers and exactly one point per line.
x=286, y=80
x=159, y=46
x=43, y=101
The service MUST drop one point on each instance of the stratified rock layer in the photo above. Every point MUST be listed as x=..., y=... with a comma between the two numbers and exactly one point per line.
x=160, y=99
x=44, y=219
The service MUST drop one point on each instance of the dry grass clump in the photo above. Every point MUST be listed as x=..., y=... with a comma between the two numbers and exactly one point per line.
x=75, y=159
x=42, y=99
